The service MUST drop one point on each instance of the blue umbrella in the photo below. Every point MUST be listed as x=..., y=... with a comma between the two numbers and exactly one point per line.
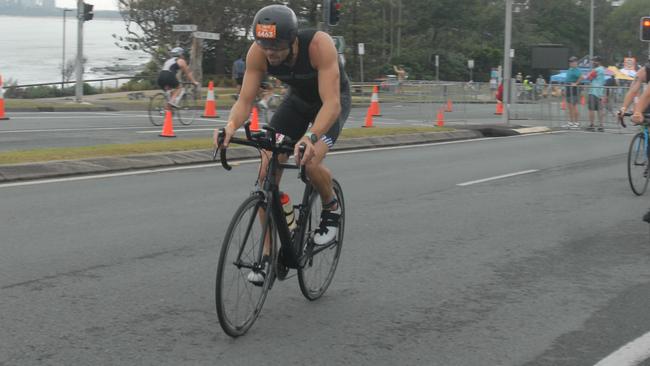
x=559, y=78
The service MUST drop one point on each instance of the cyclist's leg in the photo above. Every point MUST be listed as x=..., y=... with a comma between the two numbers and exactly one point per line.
x=321, y=176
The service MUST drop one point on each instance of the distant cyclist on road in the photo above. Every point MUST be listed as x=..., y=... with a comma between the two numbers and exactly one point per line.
x=167, y=78
x=317, y=104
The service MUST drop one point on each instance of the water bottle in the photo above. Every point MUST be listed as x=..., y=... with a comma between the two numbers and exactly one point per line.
x=287, y=207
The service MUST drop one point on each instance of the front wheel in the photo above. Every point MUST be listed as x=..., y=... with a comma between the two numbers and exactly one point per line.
x=637, y=164
x=238, y=300
x=157, y=107
x=320, y=261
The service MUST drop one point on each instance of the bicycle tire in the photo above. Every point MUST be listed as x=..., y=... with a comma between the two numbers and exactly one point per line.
x=186, y=113
x=157, y=105
x=231, y=322
x=637, y=165
x=312, y=279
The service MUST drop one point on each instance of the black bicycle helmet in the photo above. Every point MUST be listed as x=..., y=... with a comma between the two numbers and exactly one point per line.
x=275, y=26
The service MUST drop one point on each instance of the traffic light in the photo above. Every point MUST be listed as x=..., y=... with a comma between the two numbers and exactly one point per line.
x=88, y=12
x=334, y=11
x=645, y=29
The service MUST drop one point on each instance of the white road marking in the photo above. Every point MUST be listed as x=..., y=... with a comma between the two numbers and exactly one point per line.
x=77, y=129
x=497, y=177
x=181, y=130
x=630, y=354
x=248, y=161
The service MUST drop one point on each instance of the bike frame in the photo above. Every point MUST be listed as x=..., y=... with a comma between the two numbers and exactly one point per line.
x=290, y=244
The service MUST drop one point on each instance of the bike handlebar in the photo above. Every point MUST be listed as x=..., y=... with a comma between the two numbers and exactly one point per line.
x=646, y=118
x=260, y=140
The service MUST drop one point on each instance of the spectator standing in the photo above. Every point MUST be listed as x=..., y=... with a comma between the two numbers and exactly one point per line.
x=540, y=84
x=596, y=93
x=573, y=78
x=238, y=70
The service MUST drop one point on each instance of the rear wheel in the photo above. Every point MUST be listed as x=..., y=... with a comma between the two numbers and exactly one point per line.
x=637, y=164
x=157, y=105
x=320, y=260
x=239, y=301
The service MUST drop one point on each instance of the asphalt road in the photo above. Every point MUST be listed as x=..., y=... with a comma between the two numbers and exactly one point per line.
x=34, y=130
x=547, y=267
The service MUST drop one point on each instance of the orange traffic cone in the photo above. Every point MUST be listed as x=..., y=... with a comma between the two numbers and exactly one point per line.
x=499, y=110
x=368, y=119
x=210, y=104
x=440, y=121
x=2, y=102
x=563, y=104
x=450, y=106
x=255, y=123
x=374, y=102
x=168, y=125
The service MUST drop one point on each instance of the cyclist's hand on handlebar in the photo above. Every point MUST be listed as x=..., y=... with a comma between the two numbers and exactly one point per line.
x=229, y=132
x=637, y=118
x=309, y=153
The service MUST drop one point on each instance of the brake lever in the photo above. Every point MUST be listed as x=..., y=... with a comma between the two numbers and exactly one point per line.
x=224, y=160
x=621, y=119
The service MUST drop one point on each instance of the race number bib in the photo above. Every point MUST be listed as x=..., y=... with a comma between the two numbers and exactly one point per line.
x=266, y=31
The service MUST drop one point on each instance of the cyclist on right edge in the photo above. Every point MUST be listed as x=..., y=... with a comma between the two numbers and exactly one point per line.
x=641, y=77
x=308, y=62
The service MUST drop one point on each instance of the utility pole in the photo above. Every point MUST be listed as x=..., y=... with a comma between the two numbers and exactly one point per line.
x=591, y=33
x=399, y=27
x=80, y=44
x=507, y=65
x=63, y=56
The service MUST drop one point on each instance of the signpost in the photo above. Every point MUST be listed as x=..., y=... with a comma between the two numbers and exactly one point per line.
x=470, y=65
x=207, y=35
x=339, y=43
x=361, y=48
x=184, y=27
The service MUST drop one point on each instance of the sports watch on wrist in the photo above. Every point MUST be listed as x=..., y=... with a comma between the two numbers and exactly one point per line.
x=312, y=137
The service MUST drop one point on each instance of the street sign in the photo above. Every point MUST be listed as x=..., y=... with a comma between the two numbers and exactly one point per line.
x=184, y=27
x=362, y=49
x=207, y=35
x=470, y=64
x=339, y=43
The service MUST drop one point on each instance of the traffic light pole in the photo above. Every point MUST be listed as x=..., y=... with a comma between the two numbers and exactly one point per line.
x=507, y=64
x=79, y=65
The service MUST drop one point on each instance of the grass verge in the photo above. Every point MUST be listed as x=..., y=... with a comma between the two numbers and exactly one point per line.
x=84, y=152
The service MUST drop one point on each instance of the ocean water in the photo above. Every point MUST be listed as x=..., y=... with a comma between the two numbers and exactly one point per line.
x=31, y=49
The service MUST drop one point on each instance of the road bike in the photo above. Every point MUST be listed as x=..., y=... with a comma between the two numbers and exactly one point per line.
x=638, y=155
x=260, y=220
x=187, y=108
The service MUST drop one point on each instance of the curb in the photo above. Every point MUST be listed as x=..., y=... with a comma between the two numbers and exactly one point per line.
x=56, y=169
x=102, y=165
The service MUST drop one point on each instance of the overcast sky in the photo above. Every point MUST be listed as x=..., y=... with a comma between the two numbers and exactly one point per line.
x=99, y=4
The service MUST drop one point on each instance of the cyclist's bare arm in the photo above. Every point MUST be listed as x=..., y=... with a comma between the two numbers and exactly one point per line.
x=186, y=70
x=641, y=106
x=255, y=71
x=325, y=60
x=634, y=89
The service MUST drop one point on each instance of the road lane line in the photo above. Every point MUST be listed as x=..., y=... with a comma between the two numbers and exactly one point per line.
x=630, y=354
x=181, y=130
x=497, y=177
x=248, y=161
